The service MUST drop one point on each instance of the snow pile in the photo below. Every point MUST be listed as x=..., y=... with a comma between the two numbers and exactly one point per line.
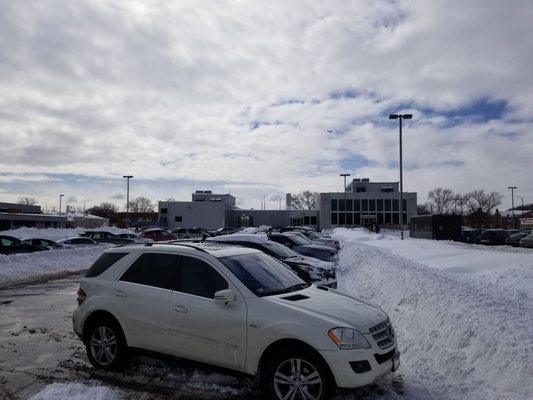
x=26, y=267
x=463, y=333
x=76, y=391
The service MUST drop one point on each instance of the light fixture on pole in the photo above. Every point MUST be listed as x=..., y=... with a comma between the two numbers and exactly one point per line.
x=127, y=177
x=512, y=199
x=401, y=117
x=60, y=197
x=344, y=176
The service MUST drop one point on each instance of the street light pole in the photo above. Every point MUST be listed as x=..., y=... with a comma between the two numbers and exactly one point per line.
x=344, y=176
x=401, y=117
x=512, y=199
x=60, y=197
x=127, y=177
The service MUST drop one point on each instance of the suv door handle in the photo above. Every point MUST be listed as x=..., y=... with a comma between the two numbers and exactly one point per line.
x=181, y=309
x=120, y=293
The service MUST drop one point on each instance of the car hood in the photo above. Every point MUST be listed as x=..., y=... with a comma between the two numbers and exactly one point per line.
x=336, y=308
x=312, y=262
x=317, y=247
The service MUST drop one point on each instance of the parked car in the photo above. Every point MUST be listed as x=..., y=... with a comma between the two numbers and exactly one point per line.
x=157, y=235
x=514, y=239
x=319, y=239
x=135, y=238
x=107, y=237
x=307, y=268
x=77, y=242
x=12, y=245
x=527, y=241
x=304, y=246
x=470, y=236
x=224, y=231
x=493, y=236
x=47, y=243
x=235, y=308
x=189, y=233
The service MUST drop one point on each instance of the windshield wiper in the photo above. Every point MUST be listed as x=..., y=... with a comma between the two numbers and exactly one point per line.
x=293, y=288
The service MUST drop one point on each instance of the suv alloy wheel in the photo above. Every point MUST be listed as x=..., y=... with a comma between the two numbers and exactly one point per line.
x=105, y=344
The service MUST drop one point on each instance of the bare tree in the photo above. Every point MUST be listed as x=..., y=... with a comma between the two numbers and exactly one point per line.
x=478, y=200
x=30, y=201
x=422, y=209
x=442, y=201
x=141, y=204
x=306, y=200
x=104, y=210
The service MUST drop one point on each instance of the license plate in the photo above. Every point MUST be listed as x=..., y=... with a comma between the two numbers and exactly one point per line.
x=396, y=361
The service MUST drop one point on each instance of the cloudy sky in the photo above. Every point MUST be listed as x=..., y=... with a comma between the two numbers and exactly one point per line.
x=262, y=98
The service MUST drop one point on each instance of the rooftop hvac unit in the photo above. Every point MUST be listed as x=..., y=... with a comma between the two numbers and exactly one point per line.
x=357, y=180
x=365, y=180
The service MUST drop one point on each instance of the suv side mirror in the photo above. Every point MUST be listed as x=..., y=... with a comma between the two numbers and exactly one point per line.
x=225, y=296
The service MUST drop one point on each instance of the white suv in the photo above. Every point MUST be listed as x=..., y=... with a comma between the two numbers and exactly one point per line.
x=236, y=308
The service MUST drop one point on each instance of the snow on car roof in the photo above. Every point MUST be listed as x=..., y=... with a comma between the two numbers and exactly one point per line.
x=243, y=237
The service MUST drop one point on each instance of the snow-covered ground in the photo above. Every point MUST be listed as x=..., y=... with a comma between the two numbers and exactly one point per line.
x=76, y=391
x=463, y=314
x=22, y=268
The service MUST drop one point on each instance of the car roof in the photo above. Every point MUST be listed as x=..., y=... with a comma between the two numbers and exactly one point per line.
x=215, y=249
x=241, y=237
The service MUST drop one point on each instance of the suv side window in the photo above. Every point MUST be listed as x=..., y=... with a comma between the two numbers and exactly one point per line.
x=153, y=269
x=199, y=278
x=105, y=261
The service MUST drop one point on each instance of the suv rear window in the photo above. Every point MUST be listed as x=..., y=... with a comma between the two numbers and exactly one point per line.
x=103, y=263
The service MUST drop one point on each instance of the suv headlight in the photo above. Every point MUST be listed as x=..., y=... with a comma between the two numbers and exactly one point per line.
x=348, y=339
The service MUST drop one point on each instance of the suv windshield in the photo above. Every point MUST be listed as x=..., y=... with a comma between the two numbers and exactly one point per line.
x=298, y=239
x=263, y=275
x=281, y=251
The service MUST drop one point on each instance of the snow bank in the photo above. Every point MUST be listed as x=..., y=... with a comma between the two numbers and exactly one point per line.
x=19, y=268
x=56, y=233
x=462, y=334
x=76, y=391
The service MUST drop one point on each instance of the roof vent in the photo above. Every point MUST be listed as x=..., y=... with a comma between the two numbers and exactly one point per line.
x=365, y=180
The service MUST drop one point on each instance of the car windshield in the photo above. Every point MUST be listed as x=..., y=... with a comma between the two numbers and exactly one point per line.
x=280, y=250
x=298, y=239
x=263, y=275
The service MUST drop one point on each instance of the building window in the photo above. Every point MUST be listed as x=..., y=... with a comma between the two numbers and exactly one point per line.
x=395, y=204
x=349, y=205
x=333, y=204
x=349, y=219
x=360, y=189
x=357, y=219
x=313, y=220
x=178, y=219
x=387, y=189
x=164, y=211
x=356, y=205
x=306, y=220
x=341, y=205
x=371, y=205
x=396, y=218
x=388, y=204
x=380, y=218
x=404, y=205
x=333, y=218
x=364, y=205
x=380, y=204
x=341, y=219
x=387, y=218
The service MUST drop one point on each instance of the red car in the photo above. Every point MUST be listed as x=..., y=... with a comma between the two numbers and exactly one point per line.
x=157, y=235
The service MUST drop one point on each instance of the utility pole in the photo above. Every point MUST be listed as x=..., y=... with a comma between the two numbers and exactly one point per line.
x=344, y=176
x=60, y=197
x=127, y=177
x=512, y=200
x=401, y=117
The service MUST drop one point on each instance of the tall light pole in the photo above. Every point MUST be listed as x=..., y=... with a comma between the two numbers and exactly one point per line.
x=127, y=177
x=84, y=201
x=60, y=197
x=401, y=117
x=344, y=176
x=512, y=199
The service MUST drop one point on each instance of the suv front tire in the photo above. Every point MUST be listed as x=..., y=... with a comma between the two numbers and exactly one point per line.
x=105, y=344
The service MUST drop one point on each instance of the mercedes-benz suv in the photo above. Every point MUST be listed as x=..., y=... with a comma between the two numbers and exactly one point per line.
x=236, y=308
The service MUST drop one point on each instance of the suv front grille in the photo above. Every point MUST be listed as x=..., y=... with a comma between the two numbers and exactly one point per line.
x=383, y=334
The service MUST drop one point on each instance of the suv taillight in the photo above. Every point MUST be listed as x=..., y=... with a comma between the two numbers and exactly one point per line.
x=81, y=296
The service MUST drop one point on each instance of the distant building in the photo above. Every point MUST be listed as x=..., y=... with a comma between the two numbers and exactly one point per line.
x=366, y=203
x=137, y=219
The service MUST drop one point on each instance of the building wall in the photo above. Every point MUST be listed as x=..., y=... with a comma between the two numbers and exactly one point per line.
x=193, y=214
x=207, y=196
x=14, y=220
x=365, y=206
x=19, y=208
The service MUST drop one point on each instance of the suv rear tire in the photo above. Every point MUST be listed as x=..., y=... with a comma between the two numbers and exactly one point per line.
x=298, y=373
x=106, y=345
